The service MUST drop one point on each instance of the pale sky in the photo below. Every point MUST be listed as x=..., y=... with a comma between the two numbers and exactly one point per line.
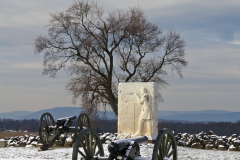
x=210, y=28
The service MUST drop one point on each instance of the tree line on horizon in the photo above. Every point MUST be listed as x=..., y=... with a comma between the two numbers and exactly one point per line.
x=103, y=125
x=219, y=128
x=30, y=125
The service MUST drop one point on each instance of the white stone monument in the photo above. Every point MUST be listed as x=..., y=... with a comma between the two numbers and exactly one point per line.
x=137, y=109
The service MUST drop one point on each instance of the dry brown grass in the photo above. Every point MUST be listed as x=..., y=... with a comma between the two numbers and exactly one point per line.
x=12, y=134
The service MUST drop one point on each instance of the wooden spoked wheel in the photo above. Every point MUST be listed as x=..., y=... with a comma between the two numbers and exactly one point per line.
x=165, y=146
x=45, y=132
x=87, y=145
x=82, y=121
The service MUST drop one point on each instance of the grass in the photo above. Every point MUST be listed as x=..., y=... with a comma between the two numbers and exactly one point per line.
x=13, y=134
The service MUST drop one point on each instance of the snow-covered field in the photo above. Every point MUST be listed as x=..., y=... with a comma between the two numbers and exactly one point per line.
x=20, y=153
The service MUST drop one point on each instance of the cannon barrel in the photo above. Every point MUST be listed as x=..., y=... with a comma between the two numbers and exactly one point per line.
x=139, y=140
x=122, y=145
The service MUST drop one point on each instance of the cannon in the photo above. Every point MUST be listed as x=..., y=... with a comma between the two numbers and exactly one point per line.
x=49, y=130
x=126, y=148
x=88, y=146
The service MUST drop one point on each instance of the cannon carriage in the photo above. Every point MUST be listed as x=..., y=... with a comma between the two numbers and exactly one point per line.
x=50, y=130
x=88, y=146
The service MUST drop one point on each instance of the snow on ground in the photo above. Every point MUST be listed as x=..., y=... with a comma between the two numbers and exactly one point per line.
x=200, y=154
x=20, y=153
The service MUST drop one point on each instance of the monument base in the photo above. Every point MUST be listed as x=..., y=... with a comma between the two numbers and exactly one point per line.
x=3, y=143
x=151, y=141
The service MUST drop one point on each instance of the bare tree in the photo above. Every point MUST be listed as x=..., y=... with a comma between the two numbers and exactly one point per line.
x=100, y=50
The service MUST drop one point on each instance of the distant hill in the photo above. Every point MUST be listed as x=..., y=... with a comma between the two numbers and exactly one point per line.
x=57, y=112
x=191, y=116
x=14, y=114
x=204, y=117
x=169, y=113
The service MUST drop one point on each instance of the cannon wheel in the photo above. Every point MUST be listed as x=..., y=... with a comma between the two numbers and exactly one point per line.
x=165, y=145
x=45, y=133
x=82, y=121
x=87, y=144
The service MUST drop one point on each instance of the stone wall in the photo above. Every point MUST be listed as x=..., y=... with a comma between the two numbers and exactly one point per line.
x=209, y=141
x=202, y=140
x=34, y=141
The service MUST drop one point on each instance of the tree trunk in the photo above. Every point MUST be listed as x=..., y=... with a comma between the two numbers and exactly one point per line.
x=114, y=103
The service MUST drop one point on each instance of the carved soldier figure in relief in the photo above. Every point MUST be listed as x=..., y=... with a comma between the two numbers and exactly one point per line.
x=145, y=101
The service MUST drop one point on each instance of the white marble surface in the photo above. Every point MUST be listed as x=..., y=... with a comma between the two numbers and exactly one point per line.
x=129, y=108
